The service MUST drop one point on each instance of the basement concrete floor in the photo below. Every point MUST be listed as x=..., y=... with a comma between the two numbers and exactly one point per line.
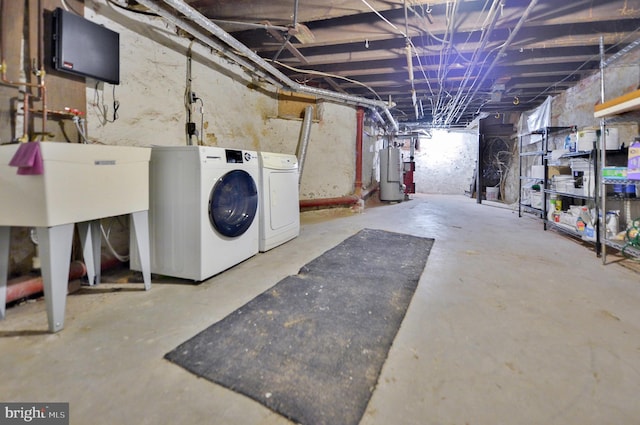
x=509, y=325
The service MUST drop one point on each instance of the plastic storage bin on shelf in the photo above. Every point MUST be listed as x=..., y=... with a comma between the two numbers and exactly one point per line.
x=587, y=139
x=537, y=199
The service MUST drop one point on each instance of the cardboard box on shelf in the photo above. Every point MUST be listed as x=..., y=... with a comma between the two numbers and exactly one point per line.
x=555, y=170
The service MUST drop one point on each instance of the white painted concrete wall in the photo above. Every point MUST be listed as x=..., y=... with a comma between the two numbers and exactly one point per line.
x=237, y=112
x=446, y=162
x=575, y=106
x=240, y=114
x=329, y=168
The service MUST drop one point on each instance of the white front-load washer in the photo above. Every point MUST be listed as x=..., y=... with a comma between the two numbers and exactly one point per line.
x=279, y=199
x=203, y=209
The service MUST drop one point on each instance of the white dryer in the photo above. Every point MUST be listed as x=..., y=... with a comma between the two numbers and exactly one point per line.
x=279, y=199
x=203, y=210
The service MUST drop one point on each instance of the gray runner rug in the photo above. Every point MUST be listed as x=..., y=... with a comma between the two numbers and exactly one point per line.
x=311, y=347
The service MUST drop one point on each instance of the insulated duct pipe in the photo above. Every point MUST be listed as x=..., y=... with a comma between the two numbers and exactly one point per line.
x=251, y=25
x=391, y=119
x=304, y=140
x=195, y=16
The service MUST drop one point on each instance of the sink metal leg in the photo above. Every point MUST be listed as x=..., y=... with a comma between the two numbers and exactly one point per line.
x=96, y=247
x=55, y=251
x=91, y=240
x=85, y=241
x=140, y=221
x=5, y=238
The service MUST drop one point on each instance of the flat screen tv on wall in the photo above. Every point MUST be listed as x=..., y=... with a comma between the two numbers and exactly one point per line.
x=84, y=48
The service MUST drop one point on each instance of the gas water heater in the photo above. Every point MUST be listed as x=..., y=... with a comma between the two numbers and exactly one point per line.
x=391, y=176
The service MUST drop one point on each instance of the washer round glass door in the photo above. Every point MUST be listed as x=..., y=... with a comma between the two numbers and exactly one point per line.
x=233, y=203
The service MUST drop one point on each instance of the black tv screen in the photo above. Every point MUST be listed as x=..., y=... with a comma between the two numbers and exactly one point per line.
x=82, y=47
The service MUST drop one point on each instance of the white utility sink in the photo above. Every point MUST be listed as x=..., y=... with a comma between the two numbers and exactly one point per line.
x=79, y=183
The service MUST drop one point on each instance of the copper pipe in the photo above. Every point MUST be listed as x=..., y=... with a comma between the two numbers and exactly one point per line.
x=41, y=36
x=7, y=82
x=40, y=86
x=3, y=13
x=42, y=71
x=43, y=97
x=25, y=113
